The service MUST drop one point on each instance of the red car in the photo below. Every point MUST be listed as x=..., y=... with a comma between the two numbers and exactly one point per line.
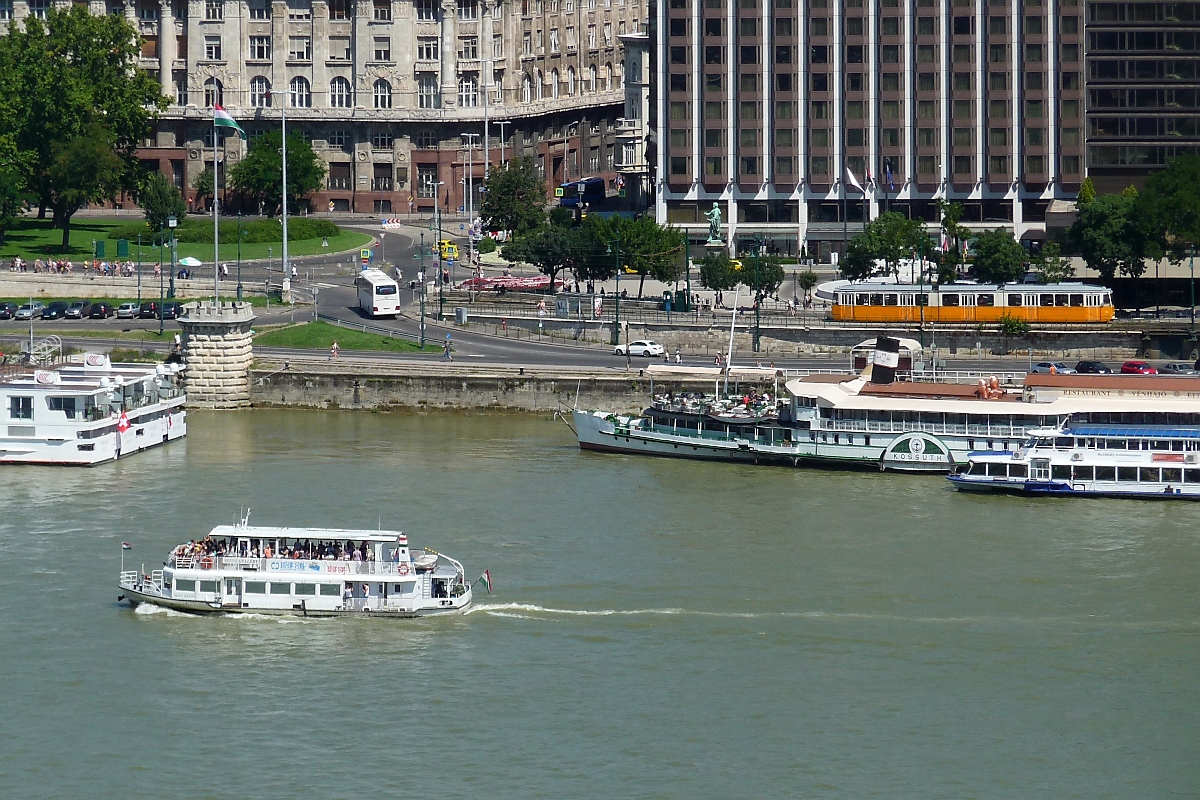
x=1137, y=368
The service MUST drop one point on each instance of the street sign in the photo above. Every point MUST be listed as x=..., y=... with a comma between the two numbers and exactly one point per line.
x=558, y=192
x=462, y=227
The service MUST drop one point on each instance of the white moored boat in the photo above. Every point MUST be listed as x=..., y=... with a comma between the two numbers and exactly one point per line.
x=321, y=572
x=89, y=413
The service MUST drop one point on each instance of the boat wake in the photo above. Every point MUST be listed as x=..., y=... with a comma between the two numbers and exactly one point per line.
x=149, y=609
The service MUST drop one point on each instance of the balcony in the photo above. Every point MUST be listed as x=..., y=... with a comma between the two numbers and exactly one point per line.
x=381, y=184
x=339, y=183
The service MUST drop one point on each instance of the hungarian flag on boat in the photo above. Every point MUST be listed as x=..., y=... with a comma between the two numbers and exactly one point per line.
x=222, y=119
x=486, y=579
x=126, y=546
x=123, y=423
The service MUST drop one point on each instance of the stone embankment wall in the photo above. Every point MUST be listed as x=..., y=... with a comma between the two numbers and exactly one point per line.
x=87, y=287
x=314, y=387
x=218, y=352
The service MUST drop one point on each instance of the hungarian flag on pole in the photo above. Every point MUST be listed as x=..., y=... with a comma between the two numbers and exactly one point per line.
x=221, y=119
x=126, y=546
x=486, y=579
x=123, y=422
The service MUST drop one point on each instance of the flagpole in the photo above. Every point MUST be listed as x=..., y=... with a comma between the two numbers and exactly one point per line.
x=216, y=234
x=287, y=275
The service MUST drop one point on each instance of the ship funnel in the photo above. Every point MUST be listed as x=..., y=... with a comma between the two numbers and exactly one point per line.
x=885, y=360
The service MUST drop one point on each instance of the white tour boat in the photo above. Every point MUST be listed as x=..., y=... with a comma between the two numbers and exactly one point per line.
x=322, y=572
x=859, y=420
x=1083, y=459
x=90, y=412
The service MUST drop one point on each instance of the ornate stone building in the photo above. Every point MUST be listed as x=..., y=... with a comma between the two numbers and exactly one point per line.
x=398, y=97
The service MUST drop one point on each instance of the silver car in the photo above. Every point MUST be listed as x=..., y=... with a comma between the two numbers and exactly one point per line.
x=30, y=310
x=1051, y=367
x=128, y=310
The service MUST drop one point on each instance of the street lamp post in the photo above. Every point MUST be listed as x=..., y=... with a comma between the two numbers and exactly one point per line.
x=501, y=124
x=757, y=293
x=469, y=185
x=239, y=257
x=437, y=245
x=162, y=240
x=1192, y=271
x=171, y=223
x=423, y=283
x=616, y=334
x=139, y=271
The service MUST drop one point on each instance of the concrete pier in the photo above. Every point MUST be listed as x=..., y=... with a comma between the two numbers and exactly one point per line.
x=217, y=351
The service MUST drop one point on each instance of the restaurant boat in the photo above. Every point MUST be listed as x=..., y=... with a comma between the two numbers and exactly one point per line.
x=313, y=572
x=874, y=421
x=89, y=413
x=1082, y=459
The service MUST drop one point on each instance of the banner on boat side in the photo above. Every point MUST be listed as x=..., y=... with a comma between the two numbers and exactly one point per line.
x=916, y=451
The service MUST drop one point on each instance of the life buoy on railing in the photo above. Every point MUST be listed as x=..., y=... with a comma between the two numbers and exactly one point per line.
x=206, y=562
x=403, y=568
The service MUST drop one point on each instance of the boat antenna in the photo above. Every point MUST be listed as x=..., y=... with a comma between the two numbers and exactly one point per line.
x=245, y=518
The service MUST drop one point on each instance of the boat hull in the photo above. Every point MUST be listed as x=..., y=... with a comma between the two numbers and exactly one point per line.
x=1064, y=489
x=100, y=449
x=135, y=597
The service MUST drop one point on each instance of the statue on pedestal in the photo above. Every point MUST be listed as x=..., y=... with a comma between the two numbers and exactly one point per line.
x=714, y=225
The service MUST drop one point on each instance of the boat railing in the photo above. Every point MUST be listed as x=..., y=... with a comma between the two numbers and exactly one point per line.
x=869, y=426
x=129, y=577
x=292, y=566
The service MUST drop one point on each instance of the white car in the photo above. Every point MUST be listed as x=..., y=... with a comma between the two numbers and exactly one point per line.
x=128, y=310
x=640, y=348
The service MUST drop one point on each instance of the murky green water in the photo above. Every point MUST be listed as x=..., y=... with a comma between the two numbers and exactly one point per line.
x=660, y=629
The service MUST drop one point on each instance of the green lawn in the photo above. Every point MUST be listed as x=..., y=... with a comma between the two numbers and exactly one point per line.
x=320, y=335
x=32, y=238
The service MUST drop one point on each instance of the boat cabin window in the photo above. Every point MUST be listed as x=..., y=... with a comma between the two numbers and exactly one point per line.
x=1062, y=442
x=1159, y=444
x=63, y=404
x=1106, y=473
x=1191, y=476
x=256, y=587
x=1060, y=472
x=20, y=408
x=1016, y=470
x=281, y=588
x=208, y=586
x=997, y=470
x=1148, y=474
x=331, y=589
x=185, y=586
x=306, y=588
x=1128, y=474
x=1082, y=473
x=1172, y=475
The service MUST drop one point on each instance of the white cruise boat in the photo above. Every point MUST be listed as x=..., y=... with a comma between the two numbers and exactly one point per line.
x=89, y=413
x=1153, y=462
x=322, y=572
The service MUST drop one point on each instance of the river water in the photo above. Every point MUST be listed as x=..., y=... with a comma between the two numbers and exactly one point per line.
x=659, y=629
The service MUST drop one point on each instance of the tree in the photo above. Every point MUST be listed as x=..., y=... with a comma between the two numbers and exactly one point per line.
x=892, y=236
x=717, y=273
x=859, y=261
x=84, y=169
x=62, y=77
x=1168, y=211
x=807, y=280
x=160, y=200
x=763, y=277
x=1087, y=192
x=999, y=258
x=514, y=199
x=1053, y=268
x=1107, y=237
x=550, y=248
x=956, y=235
x=646, y=249
x=203, y=184
x=259, y=175
x=12, y=198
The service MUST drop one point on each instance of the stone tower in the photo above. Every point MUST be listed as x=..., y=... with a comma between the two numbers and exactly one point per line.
x=217, y=351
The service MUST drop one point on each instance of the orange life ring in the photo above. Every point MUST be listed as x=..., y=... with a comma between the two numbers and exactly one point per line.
x=403, y=568
x=206, y=562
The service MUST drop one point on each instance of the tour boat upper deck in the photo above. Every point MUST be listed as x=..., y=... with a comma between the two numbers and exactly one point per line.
x=89, y=412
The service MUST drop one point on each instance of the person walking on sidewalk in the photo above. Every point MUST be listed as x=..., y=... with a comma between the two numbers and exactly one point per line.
x=333, y=351
x=446, y=352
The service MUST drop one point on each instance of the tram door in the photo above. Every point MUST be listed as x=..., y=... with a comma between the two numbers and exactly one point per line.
x=233, y=592
x=1039, y=469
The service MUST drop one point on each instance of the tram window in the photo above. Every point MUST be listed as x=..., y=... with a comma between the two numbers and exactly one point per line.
x=208, y=586
x=987, y=300
x=997, y=470
x=1082, y=473
x=1060, y=472
x=281, y=588
x=891, y=300
x=950, y=300
x=862, y=299
x=1172, y=475
x=256, y=587
x=1014, y=300
x=1191, y=475
x=1045, y=300
x=1148, y=474
x=185, y=586
x=330, y=590
x=922, y=299
x=1106, y=473
x=1060, y=299
x=1107, y=299
x=876, y=299
x=1127, y=473
x=1076, y=300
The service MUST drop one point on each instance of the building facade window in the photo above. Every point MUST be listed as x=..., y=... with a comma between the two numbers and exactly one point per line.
x=340, y=95
x=300, y=93
x=468, y=91
x=260, y=48
x=300, y=48
x=260, y=92
x=214, y=93
x=214, y=9
x=212, y=48
x=427, y=10
x=428, y=92
x=382, y=91
x=383, y=48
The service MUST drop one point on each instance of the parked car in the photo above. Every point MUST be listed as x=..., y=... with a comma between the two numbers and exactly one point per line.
x=8, y=310
x=1092, y=368
x=1137, y=368
x=128, y=310
x=1178, y=368
x=76, y=309
x=1051, y=367
x=149, y=310
x=640, y=348
x=56, y=310
x=172, y=310
x=100, y=310
x=29, y=310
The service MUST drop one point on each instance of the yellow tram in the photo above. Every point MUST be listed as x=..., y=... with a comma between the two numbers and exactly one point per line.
x=969, y=302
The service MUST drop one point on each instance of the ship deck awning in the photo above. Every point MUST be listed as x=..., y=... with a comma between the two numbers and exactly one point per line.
x=1133, y=431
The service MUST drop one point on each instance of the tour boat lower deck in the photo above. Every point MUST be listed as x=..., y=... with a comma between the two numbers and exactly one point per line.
x=315, y=572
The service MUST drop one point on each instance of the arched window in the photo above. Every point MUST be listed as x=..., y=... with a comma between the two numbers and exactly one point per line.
x=526, y=89
x=214, y=93
x=554, y=83
x=301, y=93
x=608, y=84
x=383, y=94
x=539, y=85
x=339, y=93
x=592, y=79
x=468, y=91
x=570, y=81
x=620, y=75
x=260, y=92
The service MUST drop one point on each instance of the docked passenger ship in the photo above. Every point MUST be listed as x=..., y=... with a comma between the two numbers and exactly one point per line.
x=850, y=420
x=89, y=413
x=320, y=572
x=1085, y=459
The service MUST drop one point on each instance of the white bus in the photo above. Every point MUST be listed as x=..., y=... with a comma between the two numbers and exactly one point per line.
x=378, y=295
